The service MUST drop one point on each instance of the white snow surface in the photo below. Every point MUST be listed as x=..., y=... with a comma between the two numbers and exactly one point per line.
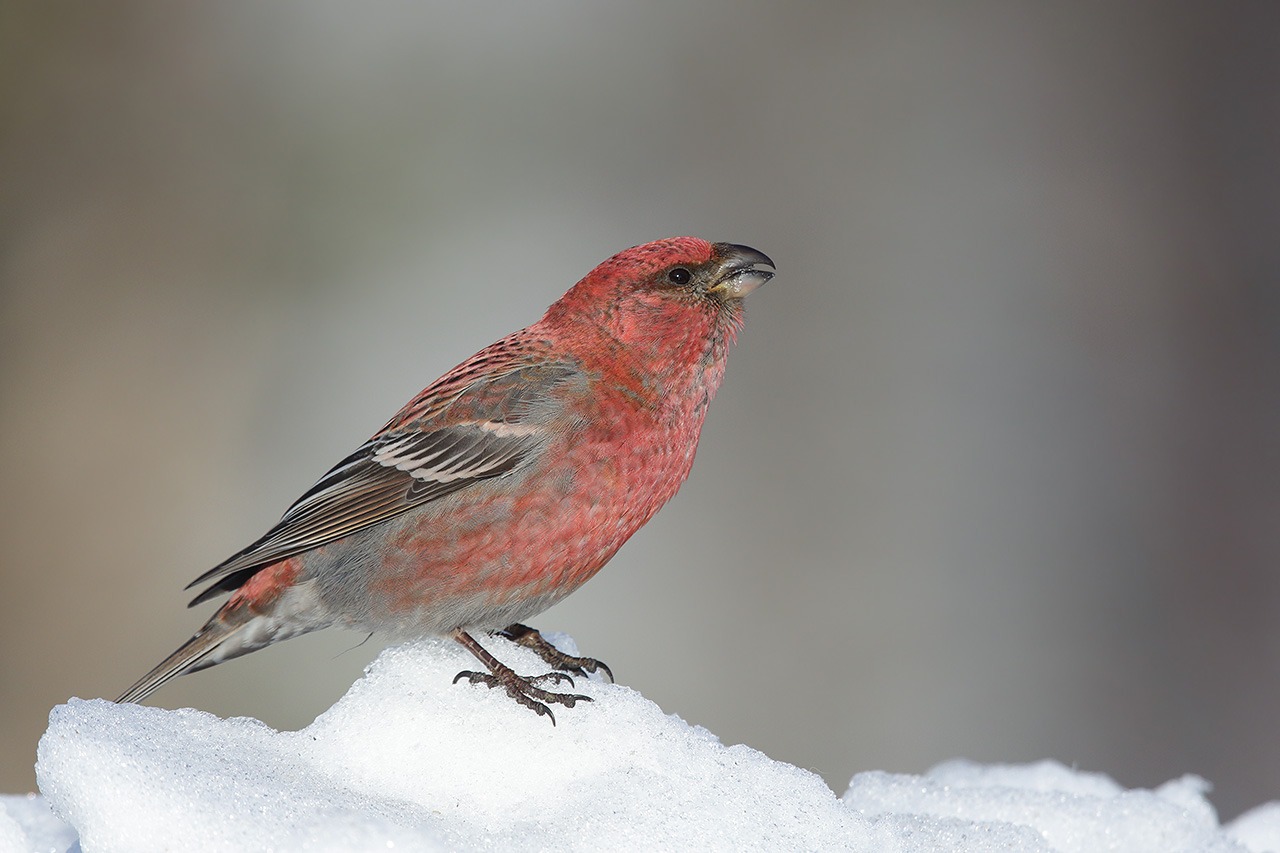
x=408, y=761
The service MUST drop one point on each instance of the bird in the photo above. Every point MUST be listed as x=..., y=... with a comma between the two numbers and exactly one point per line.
x=504, y=485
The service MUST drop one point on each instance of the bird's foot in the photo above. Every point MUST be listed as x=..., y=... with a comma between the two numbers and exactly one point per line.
x=523, y=689
x=530, y=638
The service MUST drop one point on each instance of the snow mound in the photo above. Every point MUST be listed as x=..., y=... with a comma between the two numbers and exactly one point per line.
x=407, y=761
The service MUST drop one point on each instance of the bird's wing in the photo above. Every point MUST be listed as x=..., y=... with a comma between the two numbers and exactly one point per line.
x=484, y=430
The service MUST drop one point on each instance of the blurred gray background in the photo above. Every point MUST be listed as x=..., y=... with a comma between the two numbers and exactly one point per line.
x=996, y=469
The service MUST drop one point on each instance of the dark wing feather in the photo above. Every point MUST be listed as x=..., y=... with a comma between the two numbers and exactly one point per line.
x=486, y=431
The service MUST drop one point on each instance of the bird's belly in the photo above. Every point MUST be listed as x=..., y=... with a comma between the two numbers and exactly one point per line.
x=496, y=553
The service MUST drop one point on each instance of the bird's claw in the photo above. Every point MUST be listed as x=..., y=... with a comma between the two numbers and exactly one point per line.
x=530, y=638
x=525, y=690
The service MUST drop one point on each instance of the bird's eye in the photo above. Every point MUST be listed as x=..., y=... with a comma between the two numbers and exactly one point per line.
x=679, y=275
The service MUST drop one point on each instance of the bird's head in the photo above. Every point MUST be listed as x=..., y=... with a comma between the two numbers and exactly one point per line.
x=668, y=290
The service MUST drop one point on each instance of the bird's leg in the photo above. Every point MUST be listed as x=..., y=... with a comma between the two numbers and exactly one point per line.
x=530, y=638
x=523, y=689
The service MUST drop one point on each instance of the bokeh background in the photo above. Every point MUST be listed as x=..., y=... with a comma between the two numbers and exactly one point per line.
x=996, y=469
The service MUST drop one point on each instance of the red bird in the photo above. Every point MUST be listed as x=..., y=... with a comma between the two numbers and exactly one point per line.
x=504, y=485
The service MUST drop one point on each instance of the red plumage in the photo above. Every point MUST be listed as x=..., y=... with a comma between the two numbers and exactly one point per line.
x=507, y=483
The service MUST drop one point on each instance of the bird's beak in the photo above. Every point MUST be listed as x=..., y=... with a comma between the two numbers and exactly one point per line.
x=738, y=275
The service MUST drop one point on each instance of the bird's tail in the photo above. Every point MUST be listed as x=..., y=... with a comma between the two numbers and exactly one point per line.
x=212, y=644
x=240, y=626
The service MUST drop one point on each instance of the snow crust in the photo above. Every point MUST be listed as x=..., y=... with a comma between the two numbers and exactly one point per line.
x=408, y=761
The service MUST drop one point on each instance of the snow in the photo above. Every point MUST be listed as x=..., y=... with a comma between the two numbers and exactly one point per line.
x=27, y=824
x=408, y=761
